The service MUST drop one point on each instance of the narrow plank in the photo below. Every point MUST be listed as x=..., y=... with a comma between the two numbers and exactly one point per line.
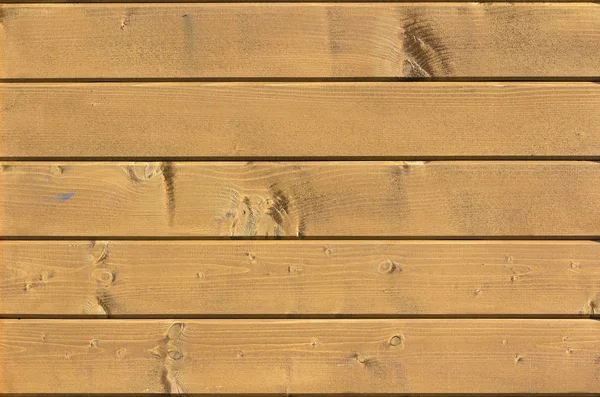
x=299, y=40
x=300, y=356
x=201, y=278
x=296, y=199
x=300, y=119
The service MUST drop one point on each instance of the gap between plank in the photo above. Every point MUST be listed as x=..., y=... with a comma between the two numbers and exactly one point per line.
x=307, y=394
x=268, y=1
x=301, y=158
x=499, y=79
x=533, y=316
x=304, y=238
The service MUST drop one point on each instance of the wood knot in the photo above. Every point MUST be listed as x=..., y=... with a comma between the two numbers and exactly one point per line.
x=175, y=331
x=140, y=172
x=364, y=361
x=97, y=308
x=408, y=166
x=396, y=340
x=56, y=170
x=99, y=252
x=518, y=358
x=175, y=354
x=574, y=265
x=386, y=267
x=593, y=307
x=294, y=269
x=104, y=276
x=360, y=358
x=45, y=276
x=121, y=352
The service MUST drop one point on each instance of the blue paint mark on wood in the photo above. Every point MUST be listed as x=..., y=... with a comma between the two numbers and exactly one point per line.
x=64, y=196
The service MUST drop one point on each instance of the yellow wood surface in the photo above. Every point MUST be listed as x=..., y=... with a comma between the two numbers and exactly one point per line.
x=301, y=199
x=203, y=123
x=272, y=278
x=299, y=119
x=299, y=356
x=300, y=40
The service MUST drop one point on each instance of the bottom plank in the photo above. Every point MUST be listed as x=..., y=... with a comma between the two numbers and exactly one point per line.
x=299, y=356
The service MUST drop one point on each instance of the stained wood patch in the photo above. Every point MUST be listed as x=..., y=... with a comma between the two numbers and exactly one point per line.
x=300, y=356
x=300, y=199
x=237, y=120
x=346, y=278
x=417, y=40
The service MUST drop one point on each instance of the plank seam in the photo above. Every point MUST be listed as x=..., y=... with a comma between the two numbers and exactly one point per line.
x=483, y=79
x=533, y=316
x=594, y=238
x=307, y=159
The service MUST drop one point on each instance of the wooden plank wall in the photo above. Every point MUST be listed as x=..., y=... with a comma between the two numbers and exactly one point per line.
x=299, y=198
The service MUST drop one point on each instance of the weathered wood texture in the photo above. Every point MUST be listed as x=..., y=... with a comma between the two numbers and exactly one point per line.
x=299, y=40
x=445, y=198
x=300, y=119
x=125, y=278
x=300, y=356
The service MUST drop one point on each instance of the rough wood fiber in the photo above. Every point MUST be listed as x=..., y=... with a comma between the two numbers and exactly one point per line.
x=299, y=40
x=275, y=199
x=300, y=356
x=300, y=119
x=125, y=278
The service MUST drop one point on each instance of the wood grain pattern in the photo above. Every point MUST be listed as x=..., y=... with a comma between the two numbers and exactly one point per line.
x=296, y=199
x=300, y=119
x=300, y=356
x=201, y=278
x=299, y=40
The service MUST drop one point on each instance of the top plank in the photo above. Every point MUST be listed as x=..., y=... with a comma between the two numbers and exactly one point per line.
x=312, y=40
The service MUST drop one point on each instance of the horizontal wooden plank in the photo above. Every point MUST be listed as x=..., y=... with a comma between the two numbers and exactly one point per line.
x=300, y=356
x=300, y=119
x=299, y=40
x=201, y=278
x=296, y=199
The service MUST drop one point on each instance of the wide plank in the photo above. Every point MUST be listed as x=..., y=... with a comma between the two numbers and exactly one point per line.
x=301, y=199
x=275, y=278
x=314, y=40
x=299, y=356
x=237, y=120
